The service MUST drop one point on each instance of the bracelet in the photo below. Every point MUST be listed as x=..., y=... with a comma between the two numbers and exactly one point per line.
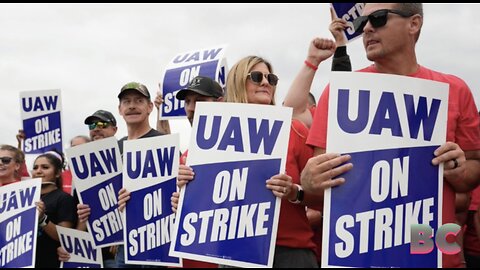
x=310, y=65
x=44, y=221
x=299, y=196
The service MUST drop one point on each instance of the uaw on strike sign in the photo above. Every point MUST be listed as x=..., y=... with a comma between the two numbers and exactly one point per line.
x=390, y=125
x=208, y=62
x=226, y=215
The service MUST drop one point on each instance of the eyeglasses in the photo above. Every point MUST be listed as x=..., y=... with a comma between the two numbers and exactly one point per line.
x=100, y=125
x=257, y=77
x=6, y=160
x=377, y=19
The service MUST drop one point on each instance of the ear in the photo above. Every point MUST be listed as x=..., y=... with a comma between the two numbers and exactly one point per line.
x=119, y=110
x=416, y=23
x=150, y=107
x=17, y=166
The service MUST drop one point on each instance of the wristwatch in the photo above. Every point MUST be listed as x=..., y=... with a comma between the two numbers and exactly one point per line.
x=44, y=221
x=300, y=195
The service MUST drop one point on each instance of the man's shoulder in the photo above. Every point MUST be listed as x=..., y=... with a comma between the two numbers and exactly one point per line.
x=426, y=73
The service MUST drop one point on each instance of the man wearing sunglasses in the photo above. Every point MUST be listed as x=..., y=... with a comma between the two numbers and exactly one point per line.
x=390, y=33
x=101, y=124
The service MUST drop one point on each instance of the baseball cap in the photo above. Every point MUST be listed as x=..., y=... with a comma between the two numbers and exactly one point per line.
x=101, y=115
x=142, y=89
x=205, y=86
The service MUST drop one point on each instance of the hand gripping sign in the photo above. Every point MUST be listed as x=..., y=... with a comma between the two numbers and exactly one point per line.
x=79, y=245
x=226, y=215
x=349, y=12
x=97, y=176
x=18, y=223
x=150, y=174
x=392, y=125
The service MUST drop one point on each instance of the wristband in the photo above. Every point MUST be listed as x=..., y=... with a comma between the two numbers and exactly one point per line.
x=310, y=65
x=300, y=195
x=44, y=221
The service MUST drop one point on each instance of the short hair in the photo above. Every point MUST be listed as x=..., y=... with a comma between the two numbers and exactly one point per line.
x=412, y=8
x=84, y=137
x=237, y=79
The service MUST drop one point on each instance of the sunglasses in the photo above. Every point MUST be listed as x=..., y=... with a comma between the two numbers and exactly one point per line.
x=100, y=125
x=377, y=19
x=6, y=160
x=257, y=77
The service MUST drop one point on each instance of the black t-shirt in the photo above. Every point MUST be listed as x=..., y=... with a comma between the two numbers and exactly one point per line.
x=151, y=133
x=59, y=207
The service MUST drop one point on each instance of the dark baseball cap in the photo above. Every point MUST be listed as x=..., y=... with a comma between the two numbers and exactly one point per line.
x=205, y=86
x=101, y=115
x=142, y=89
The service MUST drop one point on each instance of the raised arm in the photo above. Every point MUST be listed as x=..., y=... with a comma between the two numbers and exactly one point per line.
x=297, y=96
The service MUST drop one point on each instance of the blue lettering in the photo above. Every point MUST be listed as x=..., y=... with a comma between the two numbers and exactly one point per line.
x=208, y=143
x=38, y=105
x=110, y=159
x=51, y=102
x=211, y=54
x=195, y=57
x=10, y=201
x=27, y=107
x=221, y=75
x=415, y=118
x=26, y=196
x=82, y=174
x=258, y=134
x=80, y=247
x=268, y=137
x=67, y=243
x=149, y=165
x=232, y=136
x=386, y=115
x=90, y=251
x=344, y=121
x=180, y=58
x=95, y=165
x=386, y=106
x=165, y=165
x=166, y=160
x=133, y=173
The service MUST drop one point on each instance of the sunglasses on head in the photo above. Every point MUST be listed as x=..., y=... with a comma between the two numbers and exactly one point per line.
x=100, y=125
x=377, y=19
x=6, y=160
x=257, y=77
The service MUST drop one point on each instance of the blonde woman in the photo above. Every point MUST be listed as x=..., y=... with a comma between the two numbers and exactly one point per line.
x=11, y=160
x=252, y=80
